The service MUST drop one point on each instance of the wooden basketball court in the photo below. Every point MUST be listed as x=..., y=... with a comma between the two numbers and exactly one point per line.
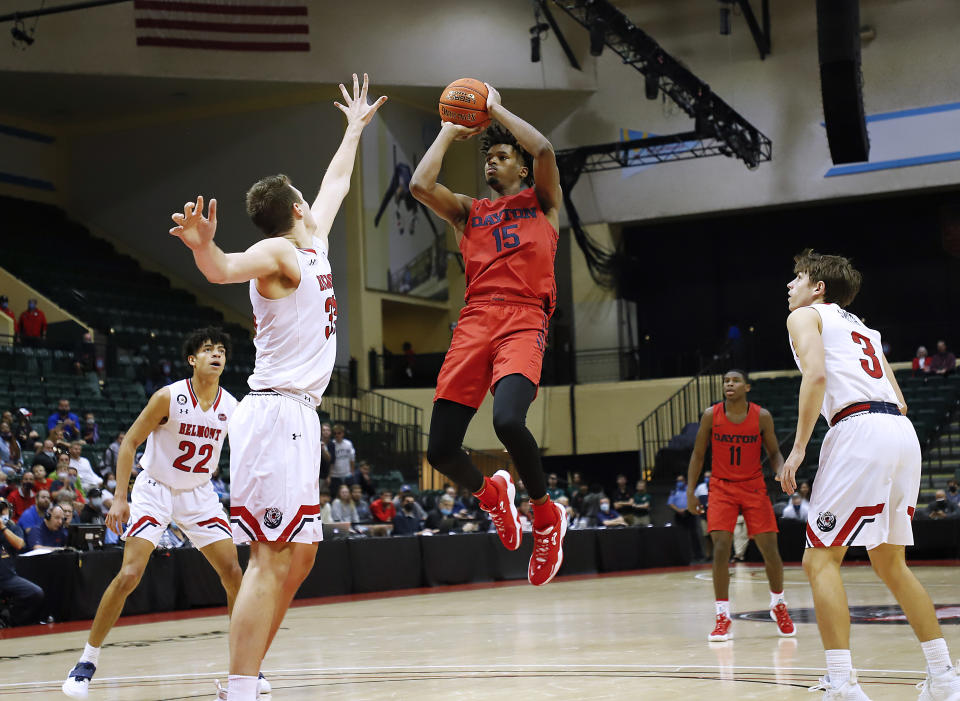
x=596, y=637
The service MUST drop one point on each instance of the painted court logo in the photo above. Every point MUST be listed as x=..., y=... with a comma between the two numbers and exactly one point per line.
x=273, y=517
x=882, y=614
x=826, y=522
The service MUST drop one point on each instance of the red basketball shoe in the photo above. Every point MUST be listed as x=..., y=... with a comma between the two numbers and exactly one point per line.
x=785, y=625
x=547, y=546
x=722, y=630
x=497, y=500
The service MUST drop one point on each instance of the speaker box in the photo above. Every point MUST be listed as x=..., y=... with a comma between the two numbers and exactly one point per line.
x=841, y=81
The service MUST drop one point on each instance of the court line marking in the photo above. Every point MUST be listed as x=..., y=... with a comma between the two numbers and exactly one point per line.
x=479, y=668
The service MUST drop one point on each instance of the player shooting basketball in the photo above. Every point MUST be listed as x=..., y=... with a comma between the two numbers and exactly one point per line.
x=508, y=242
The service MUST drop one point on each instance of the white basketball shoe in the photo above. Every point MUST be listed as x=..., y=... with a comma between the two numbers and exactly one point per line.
x=848, y=691
x=943, y=687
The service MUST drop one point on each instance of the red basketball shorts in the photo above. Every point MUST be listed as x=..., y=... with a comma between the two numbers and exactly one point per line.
x=728, y=499
x=492, y=340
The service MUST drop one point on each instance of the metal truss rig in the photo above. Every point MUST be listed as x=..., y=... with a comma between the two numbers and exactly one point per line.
x=720, y=130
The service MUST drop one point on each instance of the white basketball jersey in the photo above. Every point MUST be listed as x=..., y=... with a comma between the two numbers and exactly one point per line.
x=183, y=452
x=853, y=361
x=296, y=336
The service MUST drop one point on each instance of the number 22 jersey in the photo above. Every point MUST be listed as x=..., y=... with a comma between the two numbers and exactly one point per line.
x=852, y=360
x=183, y=452
x=508, y=247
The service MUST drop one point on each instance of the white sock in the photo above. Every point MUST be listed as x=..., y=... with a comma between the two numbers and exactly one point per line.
x=776, y=599
x=240, y=688
x=90, y=654
x=723, y=607
x=938, y=657
x=839, y=666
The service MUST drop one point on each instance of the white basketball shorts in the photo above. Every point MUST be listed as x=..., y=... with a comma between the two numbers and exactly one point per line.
x=197, y=511
x=866, y=487
x=275, y=470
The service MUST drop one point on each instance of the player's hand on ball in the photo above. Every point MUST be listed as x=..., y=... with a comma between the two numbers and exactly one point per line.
x=194, y=229
x=118, y=515
x=493, y=97
x=356, y=108
x=787, y=476
x=460, y=132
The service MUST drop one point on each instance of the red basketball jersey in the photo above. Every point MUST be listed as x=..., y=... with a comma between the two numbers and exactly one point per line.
x=736, y=447
x=508, y=248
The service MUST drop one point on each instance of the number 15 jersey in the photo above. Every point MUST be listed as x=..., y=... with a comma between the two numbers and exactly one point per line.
x=183, y=452
x=852, y=360
x=508, y=248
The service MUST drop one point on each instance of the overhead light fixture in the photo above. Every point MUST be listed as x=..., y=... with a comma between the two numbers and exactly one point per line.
x=537, y=32
x=20, y=35
x=724, y=20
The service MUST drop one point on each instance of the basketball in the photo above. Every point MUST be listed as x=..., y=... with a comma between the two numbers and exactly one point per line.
x=464, y=102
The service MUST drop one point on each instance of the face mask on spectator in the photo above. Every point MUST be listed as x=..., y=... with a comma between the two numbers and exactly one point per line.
x=445, y=512
x=942, y=504
x=604, y=506
x=63, y=476
x=408, y=508
x=111, y=485
x=96, y=502
x=953, y=488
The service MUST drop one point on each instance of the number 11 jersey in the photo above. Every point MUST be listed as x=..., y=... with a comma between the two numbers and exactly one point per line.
x=184, y=451
x=508, y=248
x=852, y=360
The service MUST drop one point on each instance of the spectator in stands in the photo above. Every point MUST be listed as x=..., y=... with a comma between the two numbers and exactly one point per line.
x=216, y=481
x=9, y=449
x=360, y=504
x=953, y=492
x=111, y=453
x=577, y=498
x=89, y=429
x=523, y=513
x=591, y=502
x=326, y=433
x=343, y=455
x=23, y=429
x=441, y=519
x=941, y=507
x=921, y=363
x=326, y=515
x=398, y=502
x=33, y=516
x=92, y=511
x=23, y=497
x=642, y=503
x=40, y=479
x=5, y=309
x=85, y=362
x=797, y=509
x=24, y=596
x=71, y=487
x=683, y=518
x=51, y=534
x=33, y=325
x=564, y=501
x=88, y=478
x=383, y=509
x=573, y=486
x=622, y=499
x=406, y=521
x=804, y=490
x=61, y=477
x=554, y=490
x=60, y=444
x=943, y=361
x=608, y=516
x=362, y=478
x=66, y=420
x=342, y=508
x=69, y=513
x=46, y=457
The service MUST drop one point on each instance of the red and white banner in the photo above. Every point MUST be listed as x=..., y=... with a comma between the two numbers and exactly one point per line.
x=224, y=25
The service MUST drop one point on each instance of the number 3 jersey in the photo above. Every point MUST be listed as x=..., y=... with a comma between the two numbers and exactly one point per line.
x=508, y=248
x=852, y=359
x=183, y=452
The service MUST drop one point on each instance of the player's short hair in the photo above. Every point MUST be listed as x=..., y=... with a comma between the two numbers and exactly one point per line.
x=496, y=134
x=836, y=272
x=742, y=373
x=270, y=204
x=194, y=342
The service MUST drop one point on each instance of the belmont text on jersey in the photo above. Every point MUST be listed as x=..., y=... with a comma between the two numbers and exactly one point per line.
x=200, y=431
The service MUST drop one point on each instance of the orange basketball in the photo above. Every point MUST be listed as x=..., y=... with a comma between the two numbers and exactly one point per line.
x=464, y=102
